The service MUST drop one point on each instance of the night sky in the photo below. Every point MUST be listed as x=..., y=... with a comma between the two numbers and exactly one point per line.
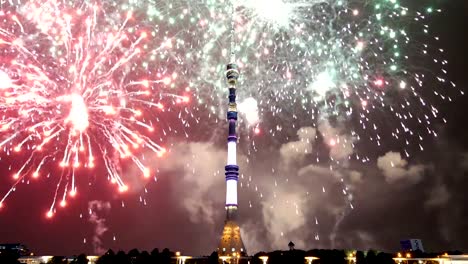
x=183, y=209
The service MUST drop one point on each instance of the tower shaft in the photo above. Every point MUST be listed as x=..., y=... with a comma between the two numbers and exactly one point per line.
x=231, y=242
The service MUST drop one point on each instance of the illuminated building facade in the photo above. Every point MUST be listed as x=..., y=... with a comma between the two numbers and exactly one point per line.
x=17, y=248
x=444, y=259
x=231, y=244
x=412, y=245
x=47, y=259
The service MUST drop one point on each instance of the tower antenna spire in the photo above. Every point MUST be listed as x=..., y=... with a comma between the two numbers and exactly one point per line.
x=232, y=35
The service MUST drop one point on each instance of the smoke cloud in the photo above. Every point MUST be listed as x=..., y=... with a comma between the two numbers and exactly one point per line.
x=300, y=200
x=201, y=171
x=464, y=162
x=355, y=177
x=396, y=169
x=295, y=151
x=439, y=196
x=95, y=209
x=341, y=146
x=283, y=208
x=302, y=194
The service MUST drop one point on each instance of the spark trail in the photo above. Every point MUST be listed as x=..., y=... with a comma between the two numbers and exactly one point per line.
x=80, y=81
x=372, y=67
x=75, y=90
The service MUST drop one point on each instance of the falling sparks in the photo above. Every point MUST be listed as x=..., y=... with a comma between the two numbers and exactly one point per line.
x=86, y=84
x=80, y=94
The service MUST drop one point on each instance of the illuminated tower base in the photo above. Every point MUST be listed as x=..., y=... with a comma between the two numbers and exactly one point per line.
x=231, y=244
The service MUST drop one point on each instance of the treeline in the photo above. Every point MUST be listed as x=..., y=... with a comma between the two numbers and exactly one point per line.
x=135, y=257
x=9, y=257
x=325, y=256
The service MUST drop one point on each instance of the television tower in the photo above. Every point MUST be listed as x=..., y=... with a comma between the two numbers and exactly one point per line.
x=231, y=245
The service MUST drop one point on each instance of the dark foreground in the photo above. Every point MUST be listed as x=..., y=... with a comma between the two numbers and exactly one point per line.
x=321, y=256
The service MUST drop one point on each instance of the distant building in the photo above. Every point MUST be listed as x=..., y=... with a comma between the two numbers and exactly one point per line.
x=14, y=248
x=34, y=259
x=445, y=259
x=411, y=245
x=45, y=259
x=458, y=259
x=291, y=245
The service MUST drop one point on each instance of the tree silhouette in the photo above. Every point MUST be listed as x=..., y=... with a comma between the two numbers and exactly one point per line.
x=57, y=260
x=144, y=258
x=213, y=258
x=155, y=256
x=166, y=256
x=360, y=258
x=107, y=258
x=385, y=258
x=80, y=259
x=9, y=257
x=256, y=258
x=371, y=257
x=122, y=258
x=328, y=256
x=133, y=254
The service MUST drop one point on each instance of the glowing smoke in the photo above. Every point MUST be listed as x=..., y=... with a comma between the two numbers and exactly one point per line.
x=395, y=168
x=94, y=208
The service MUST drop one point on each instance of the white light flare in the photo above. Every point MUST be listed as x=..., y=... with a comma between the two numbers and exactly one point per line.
x=78, y=114
x=276, y=12
x=323, y=83
x=249, y=108
x=5, y=81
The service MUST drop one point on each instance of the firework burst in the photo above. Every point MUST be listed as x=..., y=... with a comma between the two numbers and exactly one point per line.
x=374, y=62
x=76, y=90
x=81, y=80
